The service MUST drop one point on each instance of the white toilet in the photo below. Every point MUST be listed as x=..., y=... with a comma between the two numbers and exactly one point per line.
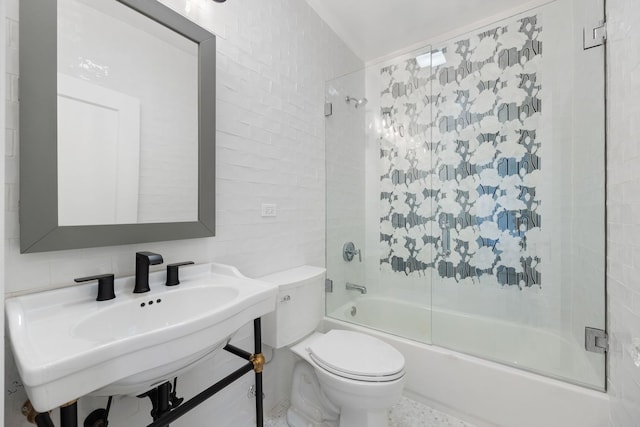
x=345, y=379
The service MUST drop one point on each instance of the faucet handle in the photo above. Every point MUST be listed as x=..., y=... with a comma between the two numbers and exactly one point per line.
x=105, y=285
x=172, y=272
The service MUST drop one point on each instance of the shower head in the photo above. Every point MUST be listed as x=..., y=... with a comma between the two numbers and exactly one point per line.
x=357, y=102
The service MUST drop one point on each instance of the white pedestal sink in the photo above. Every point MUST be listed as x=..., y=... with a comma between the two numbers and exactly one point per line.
x=67, y=345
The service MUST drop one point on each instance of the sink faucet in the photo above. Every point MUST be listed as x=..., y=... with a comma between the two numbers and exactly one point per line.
x=143, y=261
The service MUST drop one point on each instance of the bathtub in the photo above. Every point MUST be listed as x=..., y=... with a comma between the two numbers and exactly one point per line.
x=482, y=392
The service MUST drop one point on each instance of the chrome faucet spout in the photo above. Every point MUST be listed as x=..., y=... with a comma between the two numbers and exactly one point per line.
x=143, y=261
x=360, y=288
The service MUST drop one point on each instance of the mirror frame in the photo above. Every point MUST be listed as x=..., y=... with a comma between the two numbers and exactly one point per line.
x=39, y=229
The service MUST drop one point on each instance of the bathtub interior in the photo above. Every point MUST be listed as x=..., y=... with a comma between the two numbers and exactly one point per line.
x=393, y=316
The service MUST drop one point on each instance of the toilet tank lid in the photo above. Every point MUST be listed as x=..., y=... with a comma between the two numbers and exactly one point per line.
x=294, y=276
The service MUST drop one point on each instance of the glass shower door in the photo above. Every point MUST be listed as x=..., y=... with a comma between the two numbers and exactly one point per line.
x=518, y=134
x=378, y=162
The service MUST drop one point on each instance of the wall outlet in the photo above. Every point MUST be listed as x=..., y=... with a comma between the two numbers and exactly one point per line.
x=268, y=209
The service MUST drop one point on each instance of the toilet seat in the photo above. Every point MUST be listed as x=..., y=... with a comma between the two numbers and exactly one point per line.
x=357, y=356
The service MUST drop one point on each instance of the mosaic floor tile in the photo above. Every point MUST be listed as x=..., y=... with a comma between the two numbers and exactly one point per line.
x=406, y=413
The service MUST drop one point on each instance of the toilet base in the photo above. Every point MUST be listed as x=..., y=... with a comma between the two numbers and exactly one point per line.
x=296, y=419
x=309, y=406
x=350, y=417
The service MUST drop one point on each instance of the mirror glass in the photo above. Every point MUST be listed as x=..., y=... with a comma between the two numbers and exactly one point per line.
x=127, y=117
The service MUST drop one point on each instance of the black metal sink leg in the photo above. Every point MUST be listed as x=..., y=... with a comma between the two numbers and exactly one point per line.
x=69, y=414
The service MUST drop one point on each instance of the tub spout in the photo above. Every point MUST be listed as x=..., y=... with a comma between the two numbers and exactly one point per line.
x=360, y=288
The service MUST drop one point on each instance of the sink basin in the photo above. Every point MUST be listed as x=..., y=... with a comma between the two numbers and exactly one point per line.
x=67, y=345
x=132, y=318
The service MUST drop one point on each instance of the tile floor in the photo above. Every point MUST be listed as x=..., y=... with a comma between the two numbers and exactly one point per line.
x=406, y=413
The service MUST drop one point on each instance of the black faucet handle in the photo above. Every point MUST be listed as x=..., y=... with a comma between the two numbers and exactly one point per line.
x=172, y=272
x=105, y=285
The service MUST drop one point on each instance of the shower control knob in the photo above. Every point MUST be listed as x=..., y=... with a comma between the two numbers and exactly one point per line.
x=349, y=251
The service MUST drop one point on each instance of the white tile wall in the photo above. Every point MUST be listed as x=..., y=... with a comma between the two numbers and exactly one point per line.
x=272, y=66
x=4, y=94
x=623, y=208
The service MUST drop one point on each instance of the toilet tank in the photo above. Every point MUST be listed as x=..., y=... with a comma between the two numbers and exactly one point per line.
x=299, y=306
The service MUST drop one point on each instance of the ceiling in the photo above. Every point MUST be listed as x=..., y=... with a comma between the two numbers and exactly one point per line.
x=374, y=29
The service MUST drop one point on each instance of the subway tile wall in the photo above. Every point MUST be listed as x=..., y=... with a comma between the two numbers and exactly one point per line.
x=272, y=64
x=623, y=208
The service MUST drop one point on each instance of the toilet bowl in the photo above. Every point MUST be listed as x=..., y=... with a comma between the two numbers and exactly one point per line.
x=343, y=378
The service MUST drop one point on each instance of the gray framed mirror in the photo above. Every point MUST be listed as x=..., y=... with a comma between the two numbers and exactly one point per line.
x=117, y=124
